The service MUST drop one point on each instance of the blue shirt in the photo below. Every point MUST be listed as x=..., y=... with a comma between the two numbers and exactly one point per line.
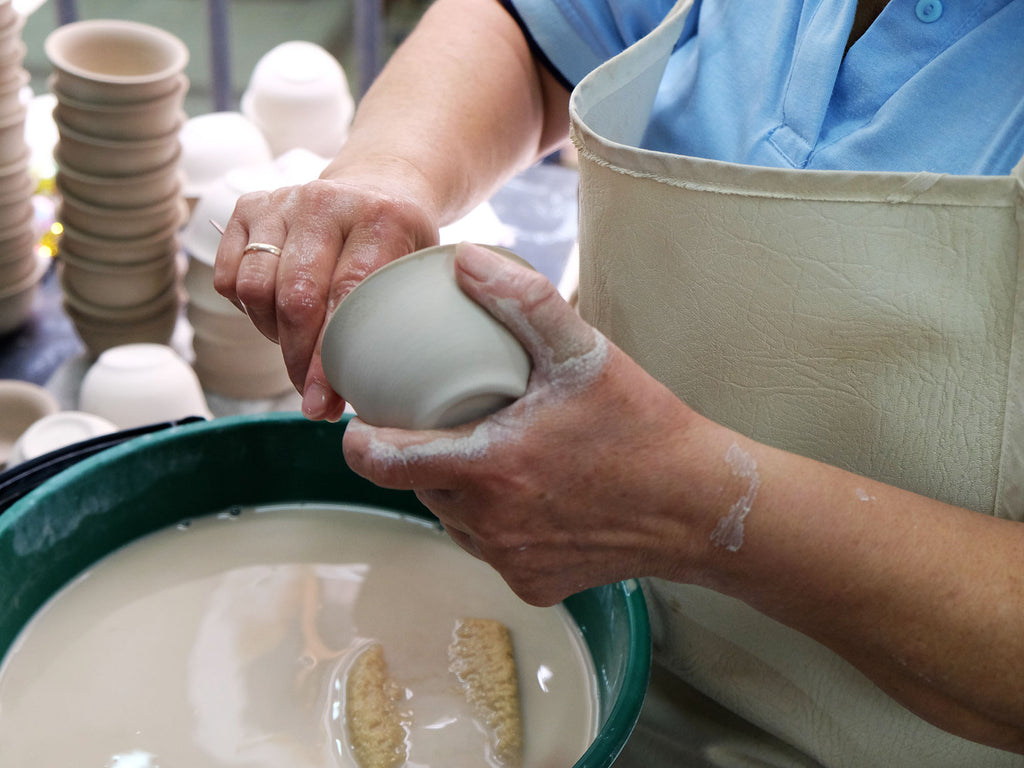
x=932, y=85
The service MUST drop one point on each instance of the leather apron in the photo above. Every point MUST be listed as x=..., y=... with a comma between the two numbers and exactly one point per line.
x=867, y=320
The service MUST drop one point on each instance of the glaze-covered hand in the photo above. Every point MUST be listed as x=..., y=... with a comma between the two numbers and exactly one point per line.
x=564, y=489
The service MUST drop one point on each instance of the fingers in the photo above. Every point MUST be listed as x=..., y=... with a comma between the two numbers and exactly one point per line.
x=246, y=277
x=529, y=305
x=417, y=460
x=331, y=235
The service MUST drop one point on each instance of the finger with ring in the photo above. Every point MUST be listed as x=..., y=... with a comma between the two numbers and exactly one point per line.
x=265, y=247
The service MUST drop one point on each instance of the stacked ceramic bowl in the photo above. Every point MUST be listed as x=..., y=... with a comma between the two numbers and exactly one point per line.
x=299, y=97
x=232, y=358
x=20, y=266
x=120, y=87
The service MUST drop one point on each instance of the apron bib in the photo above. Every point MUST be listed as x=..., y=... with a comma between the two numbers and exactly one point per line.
x=867, y=320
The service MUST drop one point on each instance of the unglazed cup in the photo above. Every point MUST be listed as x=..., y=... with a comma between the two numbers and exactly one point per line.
x=55, y=431
x=407, y=348
x=109, y=61
x=137, y=384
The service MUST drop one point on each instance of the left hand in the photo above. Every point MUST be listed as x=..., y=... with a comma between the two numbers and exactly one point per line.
x=572, y=485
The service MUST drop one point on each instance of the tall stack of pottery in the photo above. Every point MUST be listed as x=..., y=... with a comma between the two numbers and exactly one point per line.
x=20, y=266
x=120, y=87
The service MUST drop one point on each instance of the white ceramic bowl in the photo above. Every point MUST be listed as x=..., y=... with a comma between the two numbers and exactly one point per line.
x=12, y=83
x=120, y=223
x=137, y=384
x=55, y=431
x=249, y=369
x=199, y=238
x=407, y=348
x=18, y=258
x=110, y=191
x=100, y=332
x=12, y=137
x=112, y=250
x=21, y=404
x=114, y=61
x=16, y=299
x=131, y=121
x=203, y=296
x=231, y=325
x=12, y=46
x=299, y=97
x=218, y=142
x=116, y=285
x=16, y=184
x=111, y=157
x=16, y=215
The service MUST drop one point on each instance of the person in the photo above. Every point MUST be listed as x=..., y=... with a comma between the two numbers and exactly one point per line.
x=812, y=506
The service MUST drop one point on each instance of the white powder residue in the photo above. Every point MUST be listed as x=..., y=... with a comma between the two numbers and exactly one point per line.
x=729, y=531
x=550, y=383
x=864, y=495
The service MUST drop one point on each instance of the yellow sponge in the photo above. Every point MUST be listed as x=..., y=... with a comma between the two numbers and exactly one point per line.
x=482, y=658
x=376, y=733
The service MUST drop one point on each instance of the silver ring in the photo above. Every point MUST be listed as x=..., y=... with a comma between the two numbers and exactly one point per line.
x=267, y=247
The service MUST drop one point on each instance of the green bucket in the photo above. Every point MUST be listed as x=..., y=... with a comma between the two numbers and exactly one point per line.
x=140, y=486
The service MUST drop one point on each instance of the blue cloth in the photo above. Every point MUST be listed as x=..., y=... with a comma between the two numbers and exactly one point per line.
x=932, y=85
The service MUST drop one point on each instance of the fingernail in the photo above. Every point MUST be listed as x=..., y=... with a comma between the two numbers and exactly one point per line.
x=481, y=264
x=314, y=401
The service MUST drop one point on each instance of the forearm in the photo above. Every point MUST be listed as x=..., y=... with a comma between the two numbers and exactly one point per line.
x=924, y=598
x=459, y=108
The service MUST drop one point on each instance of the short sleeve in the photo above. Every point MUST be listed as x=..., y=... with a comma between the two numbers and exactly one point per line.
x=572, y=37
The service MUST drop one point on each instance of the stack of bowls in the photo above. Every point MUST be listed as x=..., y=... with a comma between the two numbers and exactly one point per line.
x=232, y=358
x=119, y=88
x=20, y=266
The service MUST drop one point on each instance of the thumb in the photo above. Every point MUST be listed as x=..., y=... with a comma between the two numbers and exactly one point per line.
x=527, y=304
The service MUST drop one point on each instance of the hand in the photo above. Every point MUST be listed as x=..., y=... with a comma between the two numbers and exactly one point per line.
x=332, y=234
x=567, y=487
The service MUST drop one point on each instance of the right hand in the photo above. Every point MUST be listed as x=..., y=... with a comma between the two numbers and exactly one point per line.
x=332, y=234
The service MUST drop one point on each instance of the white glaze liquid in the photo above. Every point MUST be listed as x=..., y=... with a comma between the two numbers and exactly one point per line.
x=224, y=642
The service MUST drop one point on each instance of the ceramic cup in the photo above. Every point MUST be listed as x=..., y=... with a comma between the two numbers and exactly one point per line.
x=119, y=223
x=16, y=299
x=21, y=404
x=407, y=348
x=112, y=157
x=56, y=431
x=117, y=285
x=137, y=384
x=130, y=121
x=110, y=61
x=216, y=143
x=299, y=97
x=129, y=250
x=111, y=191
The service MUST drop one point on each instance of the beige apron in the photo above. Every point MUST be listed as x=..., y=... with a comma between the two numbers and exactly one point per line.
x=863, y=319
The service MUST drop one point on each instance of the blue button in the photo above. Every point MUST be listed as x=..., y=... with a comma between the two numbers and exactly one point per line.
x=928, y=10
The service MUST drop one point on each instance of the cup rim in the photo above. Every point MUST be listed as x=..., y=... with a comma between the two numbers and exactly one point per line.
x=177, y=50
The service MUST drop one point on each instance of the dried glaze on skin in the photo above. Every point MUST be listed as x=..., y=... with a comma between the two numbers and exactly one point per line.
x=551, y=382
x=729, y=531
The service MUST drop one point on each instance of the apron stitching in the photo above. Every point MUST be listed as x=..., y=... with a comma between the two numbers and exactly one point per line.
x=738, y=190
